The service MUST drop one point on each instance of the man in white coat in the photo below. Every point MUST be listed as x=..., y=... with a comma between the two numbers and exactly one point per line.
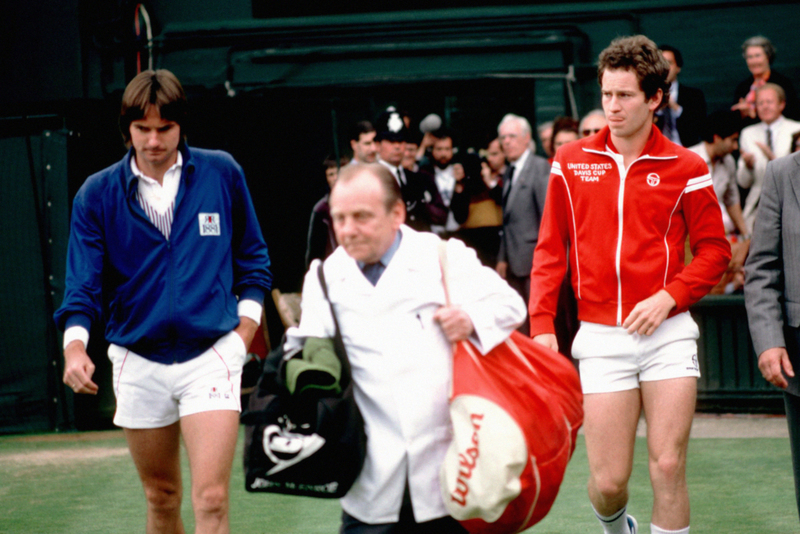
x=761, y=143
x=385, y=284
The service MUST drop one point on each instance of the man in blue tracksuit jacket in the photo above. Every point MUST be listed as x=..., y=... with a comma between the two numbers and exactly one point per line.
x=166, y=251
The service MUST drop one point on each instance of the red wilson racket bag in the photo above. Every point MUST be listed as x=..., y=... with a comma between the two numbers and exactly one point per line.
x=516, y=413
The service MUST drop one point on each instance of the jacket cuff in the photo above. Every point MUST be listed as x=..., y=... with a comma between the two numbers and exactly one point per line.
x=542, y=325
x=680, y=292
x=78, y=319
x=252, y=293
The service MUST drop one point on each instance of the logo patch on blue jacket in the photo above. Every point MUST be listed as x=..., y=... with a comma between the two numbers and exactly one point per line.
x=209, y=224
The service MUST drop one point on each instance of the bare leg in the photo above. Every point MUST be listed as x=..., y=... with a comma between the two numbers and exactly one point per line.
x=669, y=408
x=210, y=439
x=610, y=421
x=156, y=453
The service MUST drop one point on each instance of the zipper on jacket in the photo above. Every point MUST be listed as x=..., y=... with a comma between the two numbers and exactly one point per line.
x=171, y=292
x=623, y=174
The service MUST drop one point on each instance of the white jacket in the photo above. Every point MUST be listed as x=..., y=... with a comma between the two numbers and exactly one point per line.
x=401, y=361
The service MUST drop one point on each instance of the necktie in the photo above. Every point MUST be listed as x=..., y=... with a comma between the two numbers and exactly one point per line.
x=400, y=176
x=508, y=180
x=769, y=137
x=373, y=271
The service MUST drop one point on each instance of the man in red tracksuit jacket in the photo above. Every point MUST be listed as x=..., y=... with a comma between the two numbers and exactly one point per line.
x=619, y=207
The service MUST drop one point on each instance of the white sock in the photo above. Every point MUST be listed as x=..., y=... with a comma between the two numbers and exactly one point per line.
x=658, y=530
x=616, y=523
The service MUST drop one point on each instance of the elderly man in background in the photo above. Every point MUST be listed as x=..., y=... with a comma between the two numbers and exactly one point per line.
x=761, y=143
x=524, y=192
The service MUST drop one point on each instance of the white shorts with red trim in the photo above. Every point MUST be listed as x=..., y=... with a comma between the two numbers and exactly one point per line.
x=612, y=360
x=155, y=395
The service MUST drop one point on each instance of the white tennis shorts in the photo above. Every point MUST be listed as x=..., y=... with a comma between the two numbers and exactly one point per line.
x=612, y=360
x=155, y=395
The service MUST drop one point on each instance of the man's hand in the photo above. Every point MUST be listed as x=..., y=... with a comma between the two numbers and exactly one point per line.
x=247, y=330
x=744, y=109
x=458, y=172
x=648, y=314
x=749, y=159
x=548, y=340
x=771, y=361
x=455, y=323
x=767, y=151
x=487, y=176
x=78, y=369
x=502, y=268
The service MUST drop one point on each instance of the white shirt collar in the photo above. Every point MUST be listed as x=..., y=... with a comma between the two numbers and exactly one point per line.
x=673, y=91
x=138, y=173
x=393, y=169
x=774, y=124
x=520, y=162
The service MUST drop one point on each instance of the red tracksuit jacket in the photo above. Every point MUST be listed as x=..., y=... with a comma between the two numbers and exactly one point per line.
x=624, y=233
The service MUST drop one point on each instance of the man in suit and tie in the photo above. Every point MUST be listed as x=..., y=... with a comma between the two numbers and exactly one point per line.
x=761, y=143
x=524, y=192
x=681, y=120
x=385, y=283
x=772, y=290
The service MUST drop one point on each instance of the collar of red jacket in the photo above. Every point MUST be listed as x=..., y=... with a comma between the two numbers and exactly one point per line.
x=657, y=144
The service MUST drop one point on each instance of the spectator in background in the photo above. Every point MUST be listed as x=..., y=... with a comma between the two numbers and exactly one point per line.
x=362, y=142
x=592, y=122
x=720, y=140
x=409, y=161
x=321, y=239
x=681, y=121
x=481, y=230
x=759, y=53
x=448, y=175
x=545, y=131
x=565, y=130
x=424, y=205
x=524, y=192
x=761, y=143
x=430, y=123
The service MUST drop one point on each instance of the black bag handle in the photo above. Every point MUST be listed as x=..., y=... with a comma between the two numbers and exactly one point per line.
x=338, y=343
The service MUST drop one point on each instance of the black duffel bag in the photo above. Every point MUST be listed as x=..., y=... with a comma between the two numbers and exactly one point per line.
x=310, y=443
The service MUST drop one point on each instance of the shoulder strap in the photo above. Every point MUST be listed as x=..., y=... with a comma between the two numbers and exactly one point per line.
x=338, y=343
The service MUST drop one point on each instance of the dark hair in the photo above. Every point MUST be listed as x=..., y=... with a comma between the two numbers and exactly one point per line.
x=389, y=185
x=158, y=88
x=723, y=123
x=444, y=133
x=639, y=55
x=563, y=124
x=361, y=127
x=795, y=137
x=675, y=52
x=330, y=162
